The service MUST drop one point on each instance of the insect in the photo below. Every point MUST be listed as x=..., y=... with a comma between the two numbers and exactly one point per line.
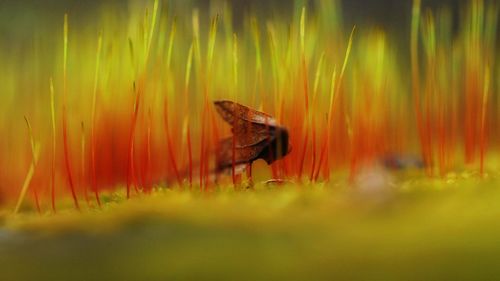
x=394, y=161
x=256, y=135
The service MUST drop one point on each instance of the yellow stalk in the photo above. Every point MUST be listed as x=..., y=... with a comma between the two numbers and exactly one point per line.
x=256, y=37
x=332, y=97
x=188, y=69
x=171, y=43
x=151, y=30
x=35, y=151
x=258, y=61
x=414, y=50
x=187, y=78
x=318, y=76
x=65, y=54
x=196, y=36
x=96, y=80
x=274, y=58
x=302, y=30
x=211, y=42
x=414, y=44
x=335, y=85
x=346, y=58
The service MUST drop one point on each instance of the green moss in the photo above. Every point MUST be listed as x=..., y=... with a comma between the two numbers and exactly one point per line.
x=438, y=229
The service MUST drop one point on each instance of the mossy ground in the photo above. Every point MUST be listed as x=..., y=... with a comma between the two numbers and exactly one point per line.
x=421, y=229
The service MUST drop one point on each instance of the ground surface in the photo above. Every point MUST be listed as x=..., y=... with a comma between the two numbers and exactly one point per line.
x=413, y=229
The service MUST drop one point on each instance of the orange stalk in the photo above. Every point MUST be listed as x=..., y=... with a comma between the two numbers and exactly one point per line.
x=311, y=176
x=190, y=157
x=170, y=147
x=322, y=155
x=67, y=159
x=93, y=127
x=483, y=118
x=202, y=146
x=37, y=200
x=53, y=167
x=233, y=159
x=82, y=165
x=148, y=151
x=130, y=167
x=302, y=157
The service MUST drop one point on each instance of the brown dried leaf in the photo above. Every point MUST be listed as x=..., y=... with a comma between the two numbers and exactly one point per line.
x=255, y=136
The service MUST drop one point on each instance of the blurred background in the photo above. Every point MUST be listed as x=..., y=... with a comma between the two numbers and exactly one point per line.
x=19, y=20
